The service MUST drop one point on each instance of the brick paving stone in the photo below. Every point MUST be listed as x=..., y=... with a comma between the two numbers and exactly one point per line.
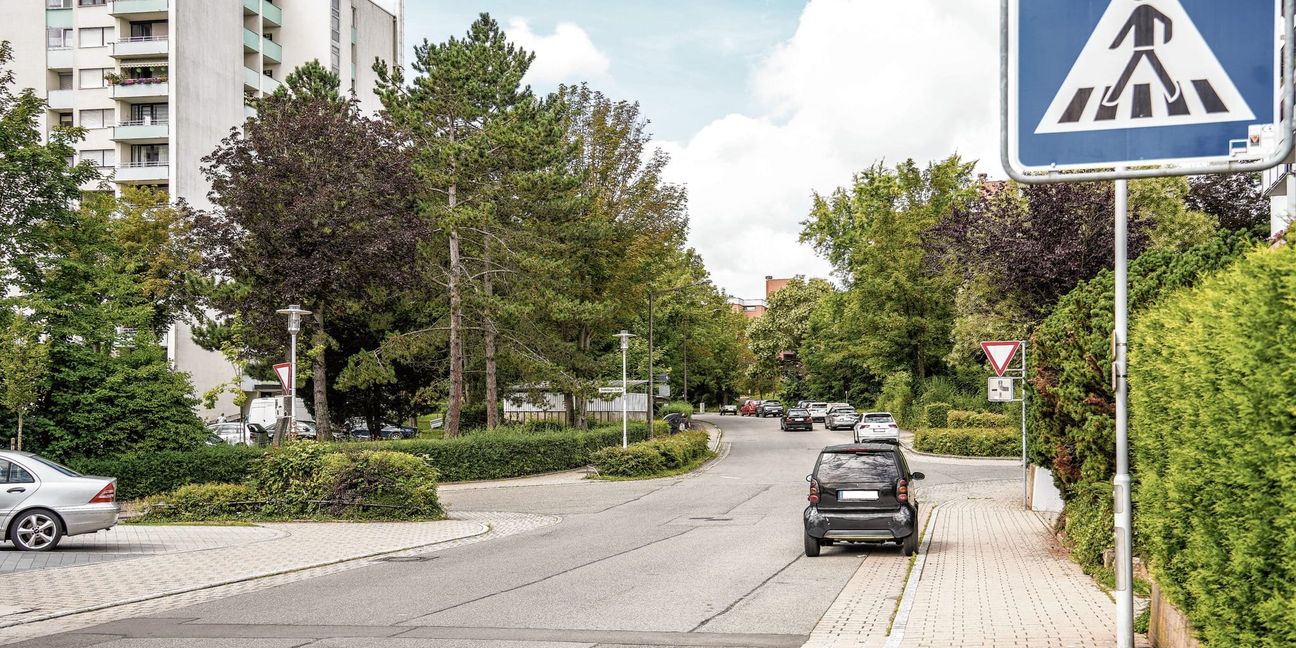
x=76, y=597
x=126, y=541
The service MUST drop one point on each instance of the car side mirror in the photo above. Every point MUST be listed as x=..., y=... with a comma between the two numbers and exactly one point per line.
x=809, y=477
x=918, y=475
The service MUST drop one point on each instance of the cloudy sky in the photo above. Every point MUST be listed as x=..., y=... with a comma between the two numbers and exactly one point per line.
x=762, y=102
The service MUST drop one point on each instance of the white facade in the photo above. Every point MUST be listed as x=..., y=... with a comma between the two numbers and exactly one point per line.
x=158, y=83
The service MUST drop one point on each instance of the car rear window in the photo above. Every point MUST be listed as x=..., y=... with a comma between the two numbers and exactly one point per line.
x=857, y=466
x=843, y=410
x=878, y=418
x=798, y=412
x=59, y=467
x=818, y=405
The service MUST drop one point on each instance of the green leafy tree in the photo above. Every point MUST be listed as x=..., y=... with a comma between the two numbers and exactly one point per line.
x=24, y=369
x=313, y=207
x=777, y=337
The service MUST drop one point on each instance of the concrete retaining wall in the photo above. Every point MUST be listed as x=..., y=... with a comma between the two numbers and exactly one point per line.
x=1167, y=626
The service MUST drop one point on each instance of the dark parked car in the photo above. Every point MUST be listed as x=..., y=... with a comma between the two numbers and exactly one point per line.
x=796, y=419
x=769, y=408
x=861, y=493
x=357, y=429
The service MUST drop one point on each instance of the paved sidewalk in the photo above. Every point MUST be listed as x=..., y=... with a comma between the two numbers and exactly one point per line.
x=130, y=541
x=60, y=599
x=993, y=576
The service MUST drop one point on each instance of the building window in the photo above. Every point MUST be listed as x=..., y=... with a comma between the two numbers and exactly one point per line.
x=336, y=23
x=92, y=78
x=337, y=59
x=59, y=4
x=149, y=155
x=65, y=81
x=149, y=113
x=94, y=36
x=92, y=3
x=99, y=118
x=65, y=119
x=100, y=157
x=156, y=29
x=58, y=37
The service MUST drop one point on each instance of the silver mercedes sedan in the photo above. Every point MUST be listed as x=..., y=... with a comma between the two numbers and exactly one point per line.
x=42, y=501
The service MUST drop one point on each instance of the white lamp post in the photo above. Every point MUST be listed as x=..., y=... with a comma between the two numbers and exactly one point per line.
x=294, y=313
x=625, y=393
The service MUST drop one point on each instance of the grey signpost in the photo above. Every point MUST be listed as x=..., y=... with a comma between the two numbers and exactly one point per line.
x=625, y=392
x=1114, y=90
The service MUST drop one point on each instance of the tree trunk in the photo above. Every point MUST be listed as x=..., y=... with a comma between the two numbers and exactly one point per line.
x=320, y=382
x=20, y=422
x=492, y=389
x=455, y=405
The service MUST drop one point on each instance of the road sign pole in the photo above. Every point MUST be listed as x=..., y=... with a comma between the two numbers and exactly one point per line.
x=1121, y=484
x=1025, y=465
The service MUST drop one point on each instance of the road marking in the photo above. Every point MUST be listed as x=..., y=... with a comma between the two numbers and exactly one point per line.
x=911, y=586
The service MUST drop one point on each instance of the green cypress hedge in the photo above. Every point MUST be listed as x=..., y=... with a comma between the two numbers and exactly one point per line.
x=970, y=442
x=1213, y=412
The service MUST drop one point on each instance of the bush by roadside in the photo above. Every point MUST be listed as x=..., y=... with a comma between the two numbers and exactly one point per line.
x=140, y=474
x=968, y=419
x=936, y=415
x=969, y=442
x=676, y=407
x=654, y=457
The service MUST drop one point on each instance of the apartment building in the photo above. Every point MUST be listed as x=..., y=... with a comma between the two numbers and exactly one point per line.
x=158, y=83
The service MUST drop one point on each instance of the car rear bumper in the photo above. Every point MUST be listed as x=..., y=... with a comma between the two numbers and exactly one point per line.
x=798, y=426
x=890, y=524
x=89, y=518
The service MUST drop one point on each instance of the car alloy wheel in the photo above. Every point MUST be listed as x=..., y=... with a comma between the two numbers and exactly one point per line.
x=36, y=531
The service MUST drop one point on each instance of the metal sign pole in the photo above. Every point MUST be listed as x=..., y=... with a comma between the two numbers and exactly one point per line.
x=1025, y=465
x=1121, y=484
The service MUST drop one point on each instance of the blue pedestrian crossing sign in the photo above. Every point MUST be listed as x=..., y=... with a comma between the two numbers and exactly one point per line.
x=1108, y=83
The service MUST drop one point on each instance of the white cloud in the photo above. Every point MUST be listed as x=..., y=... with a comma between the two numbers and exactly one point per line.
x=859, y=81
x=565, y=56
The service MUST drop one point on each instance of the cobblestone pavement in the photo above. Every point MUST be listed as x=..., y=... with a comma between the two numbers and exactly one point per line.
x=127, y=541
x=68, y=598
x=992, y=576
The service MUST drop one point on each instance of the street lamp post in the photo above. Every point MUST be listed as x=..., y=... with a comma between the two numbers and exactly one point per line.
x=652, y=296
x=625, y=392
x=294, y=313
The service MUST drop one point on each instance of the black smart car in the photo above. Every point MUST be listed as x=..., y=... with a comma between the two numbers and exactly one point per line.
x=861, y=492
x=796, y=419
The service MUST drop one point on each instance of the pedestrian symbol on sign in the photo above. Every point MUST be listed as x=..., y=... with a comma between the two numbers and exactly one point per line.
x=1138, y=47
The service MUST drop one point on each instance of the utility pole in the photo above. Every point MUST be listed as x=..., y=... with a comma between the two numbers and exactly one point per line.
x=294, y=313
x=625, y=388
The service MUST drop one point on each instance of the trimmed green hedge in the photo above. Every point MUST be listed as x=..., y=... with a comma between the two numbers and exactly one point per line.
x=198, y=502
x=676, y=407
x=968, y=419
x=1213, y=419
x=498, y=454
x=936, y=415
x=648, y=458
x=969, y=442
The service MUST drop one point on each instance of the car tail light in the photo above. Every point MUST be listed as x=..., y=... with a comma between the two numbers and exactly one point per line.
x=902, y=491
x=106, y=494
x=814, y=492
x=895, y=426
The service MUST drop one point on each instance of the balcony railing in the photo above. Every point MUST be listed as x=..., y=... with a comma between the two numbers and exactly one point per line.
x=150, y=171
x=135, y=7
x=139, y=130
x=251, y=41
x=140, y=46
x=151, y=88
x=272, y=50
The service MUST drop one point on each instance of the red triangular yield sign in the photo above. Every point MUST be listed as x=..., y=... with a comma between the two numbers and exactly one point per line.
x=1000, y=354
x=282, y=370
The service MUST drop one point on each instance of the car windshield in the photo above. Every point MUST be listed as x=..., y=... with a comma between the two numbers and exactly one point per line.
x=59, y=467
x=798, y=412
x=878, y=418
x=818, y=405
x=857, y=466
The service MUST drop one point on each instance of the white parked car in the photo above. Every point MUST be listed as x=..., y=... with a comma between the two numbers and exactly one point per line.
x=42, y=501
x=875, y=426
x=818, y=411
x=841, y=417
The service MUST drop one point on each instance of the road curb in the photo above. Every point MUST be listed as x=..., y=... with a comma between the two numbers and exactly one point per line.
x=909, y=448
x=896, y=636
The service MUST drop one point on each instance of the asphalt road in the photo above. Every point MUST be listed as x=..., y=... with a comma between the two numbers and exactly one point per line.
x=709, y=559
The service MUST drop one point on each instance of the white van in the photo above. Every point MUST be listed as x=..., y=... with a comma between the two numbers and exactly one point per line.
x=266, y=412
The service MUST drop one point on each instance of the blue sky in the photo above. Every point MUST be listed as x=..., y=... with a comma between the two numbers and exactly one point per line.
x=761, y=104
x=687, y=62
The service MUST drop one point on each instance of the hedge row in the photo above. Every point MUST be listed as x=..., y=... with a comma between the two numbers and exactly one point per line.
x=936, y=415
x=969, y=442
x=648, y=458
x=967, y=419
x=503, y=453
x=1212, y=387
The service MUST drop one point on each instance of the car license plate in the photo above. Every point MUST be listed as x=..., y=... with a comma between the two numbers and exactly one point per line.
x=856, y=495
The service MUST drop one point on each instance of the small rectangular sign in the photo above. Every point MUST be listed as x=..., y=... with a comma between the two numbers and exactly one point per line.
x=999, y=390
x=611, y=390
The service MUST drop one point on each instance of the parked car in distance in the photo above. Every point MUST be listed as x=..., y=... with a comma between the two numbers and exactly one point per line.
x=358, y=429
x=41, y=502
x=749, y=408
x=796, y=419
x=729, y=409
x=876, y=426
x=861, y=493
x=841, y=417
x=770, y=408
x=818, y=411
x=234, y=433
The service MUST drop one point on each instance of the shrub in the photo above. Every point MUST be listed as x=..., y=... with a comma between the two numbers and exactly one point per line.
x=676, y=407
x=969, y=442
x=1212, y=387
x=682, y=449
x=966, y=419
x=377, y=485
x=541, y=425
x=654, y=456
x=936, y=415
x=286, y=476
x=897, y=396
x=198, y=502
x=141, y=474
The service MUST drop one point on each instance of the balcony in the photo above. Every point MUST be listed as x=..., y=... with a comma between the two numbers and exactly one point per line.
x=141, y=90
x=272, y=50
x=269, y=84
x=59, y=59
x=272, y=14
x=251, y=79
x=142, y=173
x=251, y=42
x=142, y=131
x=142, y=46
x=139, y=9
x=60, y=99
